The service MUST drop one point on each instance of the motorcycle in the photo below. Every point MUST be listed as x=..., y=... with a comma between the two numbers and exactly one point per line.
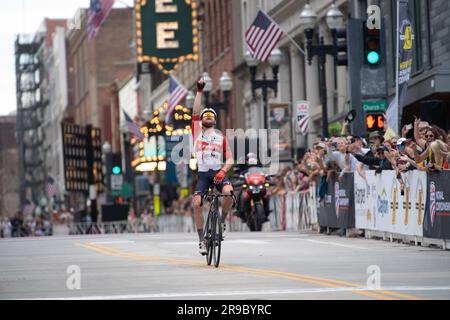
x=255, y=196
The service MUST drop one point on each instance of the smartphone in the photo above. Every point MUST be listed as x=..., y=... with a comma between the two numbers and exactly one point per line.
x=409, y=127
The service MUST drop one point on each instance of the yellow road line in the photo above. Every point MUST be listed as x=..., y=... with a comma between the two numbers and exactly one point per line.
x=377, y=294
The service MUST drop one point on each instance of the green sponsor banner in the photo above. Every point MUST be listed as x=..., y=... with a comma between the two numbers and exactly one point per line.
x=374, y=106
x=167, y=32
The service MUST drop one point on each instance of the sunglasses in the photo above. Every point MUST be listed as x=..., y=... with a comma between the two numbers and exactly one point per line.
x=209, y=114
x=429, y=136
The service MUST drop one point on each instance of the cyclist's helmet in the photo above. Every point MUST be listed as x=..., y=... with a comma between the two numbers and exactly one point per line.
x=208, y=110
x=252, y=159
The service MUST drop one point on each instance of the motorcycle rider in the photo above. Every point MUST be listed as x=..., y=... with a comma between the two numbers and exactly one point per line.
x=251, y=166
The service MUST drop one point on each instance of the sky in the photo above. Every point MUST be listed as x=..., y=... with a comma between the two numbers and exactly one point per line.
x=25, y=16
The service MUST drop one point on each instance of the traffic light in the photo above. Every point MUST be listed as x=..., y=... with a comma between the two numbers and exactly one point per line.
x=372, y=46
x=340, y=43
x=374, y=122
x=116, y=166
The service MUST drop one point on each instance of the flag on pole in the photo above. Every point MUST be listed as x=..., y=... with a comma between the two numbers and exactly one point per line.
x=98, y=12
x=51, y=187
x=176, y=93
x=133, y=127
x=29, y=208
x=263, y=36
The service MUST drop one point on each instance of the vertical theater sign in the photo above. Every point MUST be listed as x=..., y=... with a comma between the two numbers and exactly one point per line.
x=167, y=33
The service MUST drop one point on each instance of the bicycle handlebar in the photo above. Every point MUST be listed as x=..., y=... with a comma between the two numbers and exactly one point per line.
x=211, y=195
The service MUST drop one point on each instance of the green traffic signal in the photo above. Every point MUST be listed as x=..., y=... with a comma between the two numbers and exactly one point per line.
x=373, y=57
x=116, y=170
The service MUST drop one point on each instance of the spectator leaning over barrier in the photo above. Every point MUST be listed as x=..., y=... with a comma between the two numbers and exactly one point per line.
x=384, y=160
x=358, y=145
x=419, y=134
x=405, y=158
x=370, y=159
x=344, y=159
x=435, y=151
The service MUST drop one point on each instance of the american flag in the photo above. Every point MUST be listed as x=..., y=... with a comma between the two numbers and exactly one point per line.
x=262, y=36
x=176, y=93
x=51, y=187
x=133, y=127
x=28, y=209
x=98, y=12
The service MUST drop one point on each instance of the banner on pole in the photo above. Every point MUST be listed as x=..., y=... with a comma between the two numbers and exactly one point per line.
x=302, y=117
x=280, y=119
x=405, y=56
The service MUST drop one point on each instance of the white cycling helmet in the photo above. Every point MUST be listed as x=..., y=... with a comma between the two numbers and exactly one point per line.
x=208, y=110
x=252, y=159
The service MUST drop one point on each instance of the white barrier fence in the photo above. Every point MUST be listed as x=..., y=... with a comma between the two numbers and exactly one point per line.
x=381, y=205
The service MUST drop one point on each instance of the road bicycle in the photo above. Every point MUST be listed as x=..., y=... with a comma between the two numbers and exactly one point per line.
x=213, y=227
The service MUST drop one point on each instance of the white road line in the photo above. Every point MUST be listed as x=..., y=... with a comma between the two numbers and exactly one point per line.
x=114, y=242
x=256, y=242
x=333, y=244
x=239, y=293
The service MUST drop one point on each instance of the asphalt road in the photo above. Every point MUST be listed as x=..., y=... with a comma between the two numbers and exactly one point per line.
x=254, y=266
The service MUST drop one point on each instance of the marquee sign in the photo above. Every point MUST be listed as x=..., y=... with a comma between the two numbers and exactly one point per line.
x=167, y=33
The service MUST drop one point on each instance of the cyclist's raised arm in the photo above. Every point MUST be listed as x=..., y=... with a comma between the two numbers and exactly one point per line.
x=196, y=128
x=198, y=98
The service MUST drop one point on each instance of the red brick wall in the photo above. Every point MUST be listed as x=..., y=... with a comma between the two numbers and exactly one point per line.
x=219, y=50
x=106, y=59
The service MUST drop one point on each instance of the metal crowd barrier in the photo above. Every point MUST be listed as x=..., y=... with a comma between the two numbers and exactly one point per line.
x=290, y=212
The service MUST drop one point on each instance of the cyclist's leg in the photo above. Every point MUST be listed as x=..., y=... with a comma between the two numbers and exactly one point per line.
x=201, y=188
x=226, y=189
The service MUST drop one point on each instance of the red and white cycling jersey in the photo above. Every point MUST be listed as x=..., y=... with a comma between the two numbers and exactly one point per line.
x=210, y=146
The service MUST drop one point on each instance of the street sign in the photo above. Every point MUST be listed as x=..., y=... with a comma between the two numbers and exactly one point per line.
x=374, y=106
x=116, y=182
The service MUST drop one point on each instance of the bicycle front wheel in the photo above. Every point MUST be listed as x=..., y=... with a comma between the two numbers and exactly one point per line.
x=209, y=232
x=217, y=239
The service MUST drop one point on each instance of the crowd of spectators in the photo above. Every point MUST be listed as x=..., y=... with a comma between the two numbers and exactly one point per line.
x=420, y=146
x=33, y=225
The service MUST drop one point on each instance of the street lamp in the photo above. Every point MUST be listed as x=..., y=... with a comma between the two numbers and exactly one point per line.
x=106, y=148
x=190, y=98
x=225, y=85
x=208, y=84
x=275, y=60
x=335, y=22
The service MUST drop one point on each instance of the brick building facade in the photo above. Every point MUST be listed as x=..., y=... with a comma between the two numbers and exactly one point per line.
x=93, y=68
x=218, y=51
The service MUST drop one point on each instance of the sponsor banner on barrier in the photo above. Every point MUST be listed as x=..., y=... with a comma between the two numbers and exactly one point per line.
x=381, y=205
x=437, y=220
x=337, y=208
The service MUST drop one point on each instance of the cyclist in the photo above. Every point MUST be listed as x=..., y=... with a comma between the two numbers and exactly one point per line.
x=214, y=161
